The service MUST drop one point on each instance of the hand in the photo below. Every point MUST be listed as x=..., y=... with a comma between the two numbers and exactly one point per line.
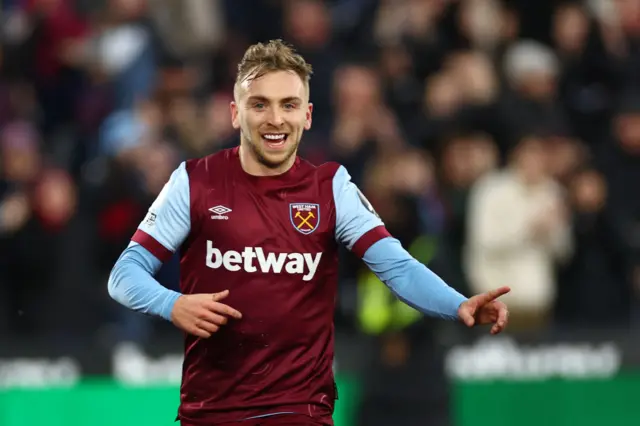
x=485, y=309
x=543, y=227
x=550, y=220
x=202, y=314
x=72, y=53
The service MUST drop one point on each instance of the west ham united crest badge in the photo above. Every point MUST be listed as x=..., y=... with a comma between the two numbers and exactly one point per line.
x=305, y=217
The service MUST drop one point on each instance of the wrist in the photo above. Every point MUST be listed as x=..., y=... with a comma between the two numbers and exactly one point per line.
x=170, y=301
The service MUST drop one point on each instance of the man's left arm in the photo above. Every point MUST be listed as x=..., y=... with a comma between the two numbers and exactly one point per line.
x=359, y=228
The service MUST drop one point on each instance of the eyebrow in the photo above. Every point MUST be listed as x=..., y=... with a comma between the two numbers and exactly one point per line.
x=264, y=99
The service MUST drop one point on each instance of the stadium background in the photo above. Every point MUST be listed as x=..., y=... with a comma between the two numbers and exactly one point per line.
x=426, y=102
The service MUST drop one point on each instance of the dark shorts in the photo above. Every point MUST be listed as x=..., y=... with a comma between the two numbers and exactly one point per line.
x=280, y=420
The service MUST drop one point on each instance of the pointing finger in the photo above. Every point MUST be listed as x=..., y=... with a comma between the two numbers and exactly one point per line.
x=223, y=309
x=219, y=296
x=487, y=297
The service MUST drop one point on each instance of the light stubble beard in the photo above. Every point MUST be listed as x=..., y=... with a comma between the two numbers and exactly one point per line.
x=260, y=156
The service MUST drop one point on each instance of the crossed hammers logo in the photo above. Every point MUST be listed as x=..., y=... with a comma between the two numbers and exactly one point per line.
x=305, y=220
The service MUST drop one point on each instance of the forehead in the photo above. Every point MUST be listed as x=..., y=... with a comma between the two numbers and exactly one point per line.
x=274, y=85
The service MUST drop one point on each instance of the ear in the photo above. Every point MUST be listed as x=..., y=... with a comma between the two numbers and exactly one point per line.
x=235, y=122
x=307, y=124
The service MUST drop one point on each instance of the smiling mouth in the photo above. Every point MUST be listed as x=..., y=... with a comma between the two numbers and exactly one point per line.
x=275, y=140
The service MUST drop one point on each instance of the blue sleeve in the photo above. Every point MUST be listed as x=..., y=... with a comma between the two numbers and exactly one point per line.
x=411, y=281
x=168, y=221
x=161, y=233
x=355, y=216
x=131, y=283
x=360, y=229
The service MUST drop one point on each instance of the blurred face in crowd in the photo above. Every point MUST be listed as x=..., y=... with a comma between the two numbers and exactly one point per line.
x=128, y=8
x=530, y=160
x=356, y=89
x=442, y=95
x=538, y=85
x=308, y=22
x=55, y=197
x=396, y=61
x=20, y=155
x=564, y=156
x=475, y=76
x=627, y=11
x=156, y=164
x=570, y=28
x=272, y=112
x=20, y=165
x=628, y=130
x=484, y=154
x=390, y=178
x=480, y=22
x=589, y=191
x=412, y=172
x=465, y=159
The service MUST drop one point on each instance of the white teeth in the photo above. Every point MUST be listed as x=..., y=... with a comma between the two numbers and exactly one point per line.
x=274, y=137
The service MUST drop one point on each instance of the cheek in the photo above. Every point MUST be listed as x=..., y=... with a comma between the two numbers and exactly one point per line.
x=302, y=120
x=255, y=121
x=247, y=122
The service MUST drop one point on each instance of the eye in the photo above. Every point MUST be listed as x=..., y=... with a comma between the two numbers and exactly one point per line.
x=289, y=106
x=259, y=105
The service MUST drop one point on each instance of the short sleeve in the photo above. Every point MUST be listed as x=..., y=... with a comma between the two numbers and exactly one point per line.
x=358, y=226
x=168, y=220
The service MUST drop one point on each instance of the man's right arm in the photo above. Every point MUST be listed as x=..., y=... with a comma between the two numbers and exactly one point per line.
x=161, y=233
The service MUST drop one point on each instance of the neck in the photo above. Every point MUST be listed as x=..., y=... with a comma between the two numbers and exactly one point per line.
x=252, y=166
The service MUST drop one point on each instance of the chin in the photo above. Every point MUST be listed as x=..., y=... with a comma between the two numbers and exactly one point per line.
x=275, y=160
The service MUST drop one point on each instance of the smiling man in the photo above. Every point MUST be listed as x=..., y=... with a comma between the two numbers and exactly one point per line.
x=271, y=108
x=258, y=230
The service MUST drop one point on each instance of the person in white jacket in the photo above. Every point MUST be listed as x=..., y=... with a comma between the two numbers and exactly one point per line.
x=518, y=230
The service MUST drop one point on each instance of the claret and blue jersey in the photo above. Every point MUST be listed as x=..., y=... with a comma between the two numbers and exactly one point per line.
x=273, y=243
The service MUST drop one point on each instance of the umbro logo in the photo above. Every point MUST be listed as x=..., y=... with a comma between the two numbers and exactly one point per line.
x=219, y=212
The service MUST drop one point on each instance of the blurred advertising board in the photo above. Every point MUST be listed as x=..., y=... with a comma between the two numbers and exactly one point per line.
x=123, y=387
x=586, y=379
x=573, y=378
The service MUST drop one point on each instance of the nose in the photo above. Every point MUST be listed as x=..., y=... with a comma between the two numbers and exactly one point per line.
x=276, y=118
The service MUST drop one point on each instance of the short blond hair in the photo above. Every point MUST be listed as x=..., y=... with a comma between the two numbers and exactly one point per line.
x=276, y=55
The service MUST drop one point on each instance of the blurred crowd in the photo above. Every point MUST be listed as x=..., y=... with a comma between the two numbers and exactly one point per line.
x=498, y=139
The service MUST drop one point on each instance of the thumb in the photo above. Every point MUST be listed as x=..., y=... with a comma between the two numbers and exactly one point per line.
x=219, y=296
x=466, y=315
